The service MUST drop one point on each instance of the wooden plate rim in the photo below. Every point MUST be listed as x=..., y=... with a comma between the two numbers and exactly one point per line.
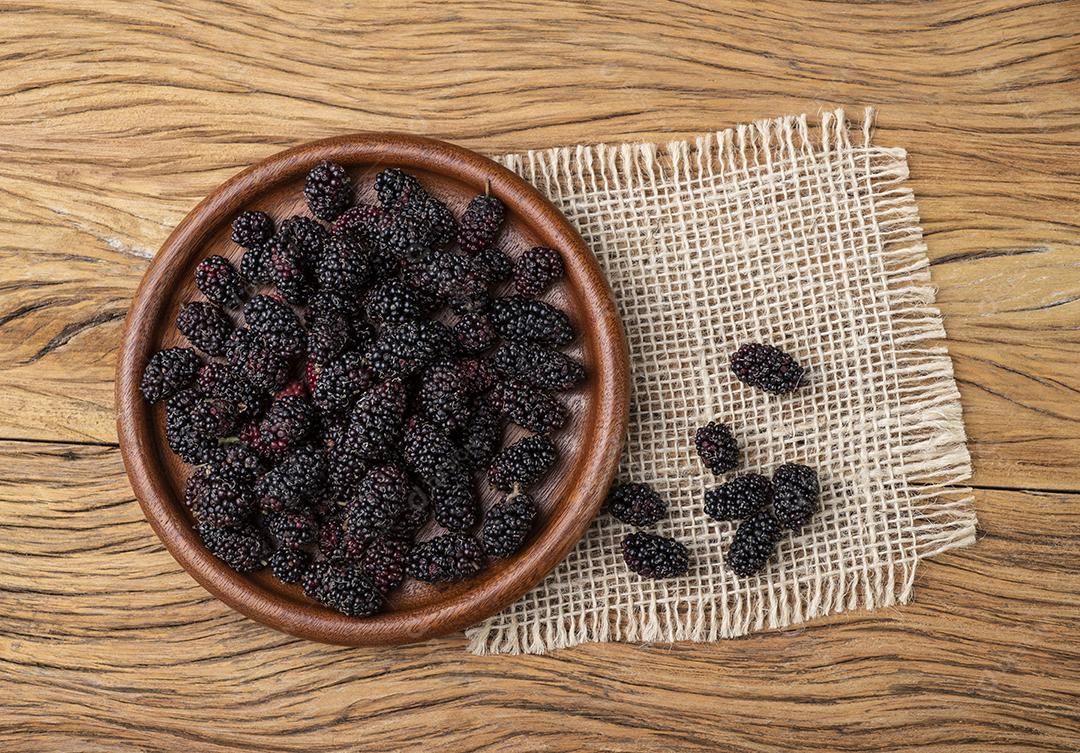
x=140, y=444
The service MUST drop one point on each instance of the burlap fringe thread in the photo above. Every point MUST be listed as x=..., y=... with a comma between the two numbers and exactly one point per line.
x=934, y=459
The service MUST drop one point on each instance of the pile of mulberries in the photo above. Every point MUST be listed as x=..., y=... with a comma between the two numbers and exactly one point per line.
x=647, y=554
x=348, y=384
x=766, y=508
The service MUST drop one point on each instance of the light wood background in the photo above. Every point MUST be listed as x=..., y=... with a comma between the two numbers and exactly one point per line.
x=117, y=117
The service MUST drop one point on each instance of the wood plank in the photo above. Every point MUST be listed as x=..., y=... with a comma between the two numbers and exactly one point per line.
x=117, y=119
x=106, y=644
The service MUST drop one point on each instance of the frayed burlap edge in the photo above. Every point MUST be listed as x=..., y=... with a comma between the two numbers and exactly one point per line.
x=933, y=452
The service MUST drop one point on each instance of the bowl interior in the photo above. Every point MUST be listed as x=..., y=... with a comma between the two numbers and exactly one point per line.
x=588, y=445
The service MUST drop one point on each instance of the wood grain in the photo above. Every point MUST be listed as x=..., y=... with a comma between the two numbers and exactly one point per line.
x=116, y=118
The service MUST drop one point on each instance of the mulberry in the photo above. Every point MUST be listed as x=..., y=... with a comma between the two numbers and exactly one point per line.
x=652, y=556
x=341, y=382
x=480, y=224
x=446, y=558
x=289, y=565
x=168, y=372
x=328, y=190
x=218, y=280
x=716, y=447
x=443, y=396
x=538, y=366
x=739, y=498
x=474, y=333
x=243, y=548
x=525, y=319
x=507, y=525
x=636, y=504
x=454, y=505
x=384, y=563
x=522, y=463
x=796, y=493
x=252, y=229
x=277, y=324
x=258, y=361
x=206, y=326
x=529, y=408
x=379, y=499
x=376, y=421
x=766, y=367
x=536, y=270
x=754, y=542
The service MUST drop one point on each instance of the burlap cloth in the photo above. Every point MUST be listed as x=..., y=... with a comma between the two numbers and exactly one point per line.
x=776, y=232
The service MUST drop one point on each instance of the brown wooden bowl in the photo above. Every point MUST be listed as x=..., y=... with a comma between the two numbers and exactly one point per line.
x=589, y=445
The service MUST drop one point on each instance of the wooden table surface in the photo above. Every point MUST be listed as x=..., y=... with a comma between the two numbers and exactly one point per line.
x=117, y=117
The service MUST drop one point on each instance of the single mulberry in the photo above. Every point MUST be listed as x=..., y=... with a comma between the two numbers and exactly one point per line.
x=443, y=397
x=378, y=500
x=223, y=502
x=529, y=408
x=522, y=463
x=298, y=478
x=259, y=362
x=525, y=319
x=795, y=495
x=277, y=324
x=289, y=262
x=446, y=558
x=754, y=542
x=343, y=266
x=481, y=434
x=739, y=498
x=474, y=333
x=252, y=229
x=168, y=372
x=538, y=366
x=392, y=302
x=637, y=504
x=480, y=223
x=255, y=265
x=717, y=448
x=376, y=421
x=493, y=265
x=242, y=548
x=289, y=565
x=219, y=281
x=478, y=374
x=454, y=504
x=536, y=270
x=286, y=425
x=237, y=462
x=206, y=326
x=384, y=562
x=328, y=336
x=395, y=187
x=652, y=556
x=292, y=528
x=431, y=455
x=348, y=590
x=188, y=439
x=445, y=275
x=328, y=190
x=507, y=525
x=404, y=349
x=766, y=367
x=220, y=380
x=341, y=382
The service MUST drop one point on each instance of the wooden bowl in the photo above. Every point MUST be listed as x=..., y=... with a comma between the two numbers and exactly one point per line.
x=589, y=446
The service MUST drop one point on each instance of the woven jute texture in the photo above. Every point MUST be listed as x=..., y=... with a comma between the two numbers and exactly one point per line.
x=779, y=232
